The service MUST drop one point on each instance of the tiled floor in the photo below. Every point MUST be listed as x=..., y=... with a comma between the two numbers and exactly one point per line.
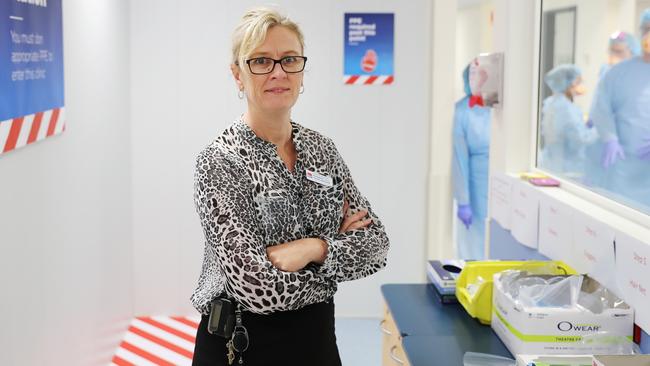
x=168, y=341
x=359, y=341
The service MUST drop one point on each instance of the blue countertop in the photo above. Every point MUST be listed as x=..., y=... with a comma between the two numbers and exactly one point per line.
x=434, y=333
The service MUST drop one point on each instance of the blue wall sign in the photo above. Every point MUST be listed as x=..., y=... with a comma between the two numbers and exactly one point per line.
x=369, y=48
x=31, y=57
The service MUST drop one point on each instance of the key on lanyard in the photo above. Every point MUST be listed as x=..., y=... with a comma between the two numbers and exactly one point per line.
x=239, y=341
x=231, y=352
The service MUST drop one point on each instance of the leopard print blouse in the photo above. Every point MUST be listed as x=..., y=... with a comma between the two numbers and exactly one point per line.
x=248, y=200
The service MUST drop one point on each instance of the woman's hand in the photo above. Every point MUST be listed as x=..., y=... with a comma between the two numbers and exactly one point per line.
x=296, y=255
x=353, y=221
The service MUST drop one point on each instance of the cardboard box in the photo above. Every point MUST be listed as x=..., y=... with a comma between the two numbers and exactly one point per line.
x=632, y=360
x=546, y=330
x=564, y=360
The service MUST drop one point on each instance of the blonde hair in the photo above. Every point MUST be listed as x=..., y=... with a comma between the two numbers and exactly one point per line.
x=252, y=29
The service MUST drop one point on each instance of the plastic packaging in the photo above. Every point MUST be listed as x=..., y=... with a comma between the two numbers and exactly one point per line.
x=527, y=287
x=486, y=359
x=474, y=285
x=472, y=288
x=562, y=293
x=575, y=291
x=597, y=299
x=563, y=310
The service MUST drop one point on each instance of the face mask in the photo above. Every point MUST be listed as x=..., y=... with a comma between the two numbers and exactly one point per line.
x=474, y=86
x=579, y=90
x=613, y=60
x=645, y=43
x=477, y=78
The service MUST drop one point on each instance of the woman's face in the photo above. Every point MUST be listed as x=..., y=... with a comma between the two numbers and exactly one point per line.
x=277, y=91
x=619, y=52
x=477, y=78
x=577, y=87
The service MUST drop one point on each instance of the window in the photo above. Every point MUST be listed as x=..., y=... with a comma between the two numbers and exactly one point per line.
x=594, y=96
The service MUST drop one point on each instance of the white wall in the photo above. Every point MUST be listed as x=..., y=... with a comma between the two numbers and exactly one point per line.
x=65, y=221
x=440, y=212
x=473, y=35
x=183, y=96
x=511, y=132
x=474, y=31
x=641, y=6
x=468, y=44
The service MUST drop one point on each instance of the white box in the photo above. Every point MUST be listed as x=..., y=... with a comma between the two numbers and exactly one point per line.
x=544, y=330
x=635, y=360
x=564, y=360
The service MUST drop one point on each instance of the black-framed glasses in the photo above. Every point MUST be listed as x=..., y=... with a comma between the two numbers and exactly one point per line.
x=265, y=65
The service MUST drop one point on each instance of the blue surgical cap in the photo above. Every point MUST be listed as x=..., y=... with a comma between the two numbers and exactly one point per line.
x=468, y=90
x=561, y=77
x=645, y=19
x=627, y=39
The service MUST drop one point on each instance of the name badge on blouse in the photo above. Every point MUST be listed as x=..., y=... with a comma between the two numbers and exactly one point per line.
x=319, y=178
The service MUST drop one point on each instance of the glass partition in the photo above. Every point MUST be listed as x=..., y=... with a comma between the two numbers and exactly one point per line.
x=594, y=96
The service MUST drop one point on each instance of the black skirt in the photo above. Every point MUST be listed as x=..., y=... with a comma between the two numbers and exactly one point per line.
x=298, y=337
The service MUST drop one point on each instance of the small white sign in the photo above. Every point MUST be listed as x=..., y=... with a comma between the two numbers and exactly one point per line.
x=632, y=268
x=524, y=219
x=593, y=250
x=555, y=234
x=319, y=178
x=500, y=199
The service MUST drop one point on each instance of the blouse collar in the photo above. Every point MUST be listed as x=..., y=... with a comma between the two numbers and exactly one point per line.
x=244, y=130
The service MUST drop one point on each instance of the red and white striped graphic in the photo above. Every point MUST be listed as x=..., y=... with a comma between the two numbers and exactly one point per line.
x=22, y=131
x=158, y=340
x=368, y=79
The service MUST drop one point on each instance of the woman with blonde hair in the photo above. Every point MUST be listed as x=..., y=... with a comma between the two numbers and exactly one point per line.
x=282, y=218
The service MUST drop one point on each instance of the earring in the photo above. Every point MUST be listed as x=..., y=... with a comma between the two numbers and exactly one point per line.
x=241, y=94
x=302, y=89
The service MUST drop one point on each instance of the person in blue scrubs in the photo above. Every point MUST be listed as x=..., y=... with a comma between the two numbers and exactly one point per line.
x=621, y=113
x=564, y=132
x=471, y=151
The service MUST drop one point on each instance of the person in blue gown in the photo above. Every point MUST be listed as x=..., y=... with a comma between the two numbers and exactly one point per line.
x=621, y=113
x=621, y=46
x=564, y=132
x=471, y=151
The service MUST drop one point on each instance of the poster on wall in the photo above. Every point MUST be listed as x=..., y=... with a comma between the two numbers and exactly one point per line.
x=368, y=55
x=31, y=72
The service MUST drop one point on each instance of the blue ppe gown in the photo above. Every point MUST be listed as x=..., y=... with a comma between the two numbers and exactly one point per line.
x=565, y=137
x=621, y=110
x=471, y=150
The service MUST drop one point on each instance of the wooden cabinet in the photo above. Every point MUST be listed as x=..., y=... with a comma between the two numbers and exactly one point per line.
x=392, y=351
